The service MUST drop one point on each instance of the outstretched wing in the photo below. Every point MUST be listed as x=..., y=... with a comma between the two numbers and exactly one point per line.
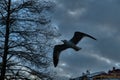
x=56, y=53
x=78, y=36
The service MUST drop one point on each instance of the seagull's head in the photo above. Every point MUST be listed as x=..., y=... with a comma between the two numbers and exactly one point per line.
x=64, y=41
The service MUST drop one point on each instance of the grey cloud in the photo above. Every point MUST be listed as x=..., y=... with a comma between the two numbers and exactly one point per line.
x=80, y=62
x=101, y=19
x=102, y=12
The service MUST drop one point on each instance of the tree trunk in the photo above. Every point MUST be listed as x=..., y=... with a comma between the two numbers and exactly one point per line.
x=4, y=59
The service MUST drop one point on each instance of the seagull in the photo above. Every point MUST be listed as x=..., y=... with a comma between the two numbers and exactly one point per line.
x=68, y=44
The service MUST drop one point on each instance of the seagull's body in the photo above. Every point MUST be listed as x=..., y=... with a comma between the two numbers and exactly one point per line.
x=68, y=44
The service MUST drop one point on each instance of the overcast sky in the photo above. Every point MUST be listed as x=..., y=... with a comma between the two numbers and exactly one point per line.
x=99, y=18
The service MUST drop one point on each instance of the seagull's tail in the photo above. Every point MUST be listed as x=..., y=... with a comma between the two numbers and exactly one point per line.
x=76, y=48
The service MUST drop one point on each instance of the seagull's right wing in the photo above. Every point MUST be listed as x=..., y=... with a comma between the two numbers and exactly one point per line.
x=78, y=36
x=56, y=53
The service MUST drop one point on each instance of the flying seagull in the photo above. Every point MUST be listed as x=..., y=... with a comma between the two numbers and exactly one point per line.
x=68, y=44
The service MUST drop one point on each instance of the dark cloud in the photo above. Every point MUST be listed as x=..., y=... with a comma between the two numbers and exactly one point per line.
x=101, y=19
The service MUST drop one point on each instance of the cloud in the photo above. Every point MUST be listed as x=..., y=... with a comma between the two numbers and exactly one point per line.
x=76, y=13
x=99, y=18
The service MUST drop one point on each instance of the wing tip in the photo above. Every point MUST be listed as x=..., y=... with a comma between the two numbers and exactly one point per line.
x=78, y=32
x=55, y=64
x=55, y=61
x=93, y=38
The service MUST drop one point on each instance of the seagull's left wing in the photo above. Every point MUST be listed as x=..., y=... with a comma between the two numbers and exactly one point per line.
x=56, y=53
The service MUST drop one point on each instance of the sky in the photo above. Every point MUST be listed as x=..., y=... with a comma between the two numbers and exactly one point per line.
x=99, y=18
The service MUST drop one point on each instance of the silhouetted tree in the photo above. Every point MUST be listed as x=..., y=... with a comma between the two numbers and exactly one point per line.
x=26, y=35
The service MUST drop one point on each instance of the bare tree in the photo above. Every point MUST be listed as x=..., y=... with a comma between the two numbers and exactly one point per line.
x=26, y=35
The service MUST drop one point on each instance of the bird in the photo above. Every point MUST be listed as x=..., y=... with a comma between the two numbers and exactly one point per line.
x=69, y=44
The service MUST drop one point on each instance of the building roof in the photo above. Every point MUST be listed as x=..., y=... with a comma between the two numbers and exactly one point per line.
x=114, y=73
